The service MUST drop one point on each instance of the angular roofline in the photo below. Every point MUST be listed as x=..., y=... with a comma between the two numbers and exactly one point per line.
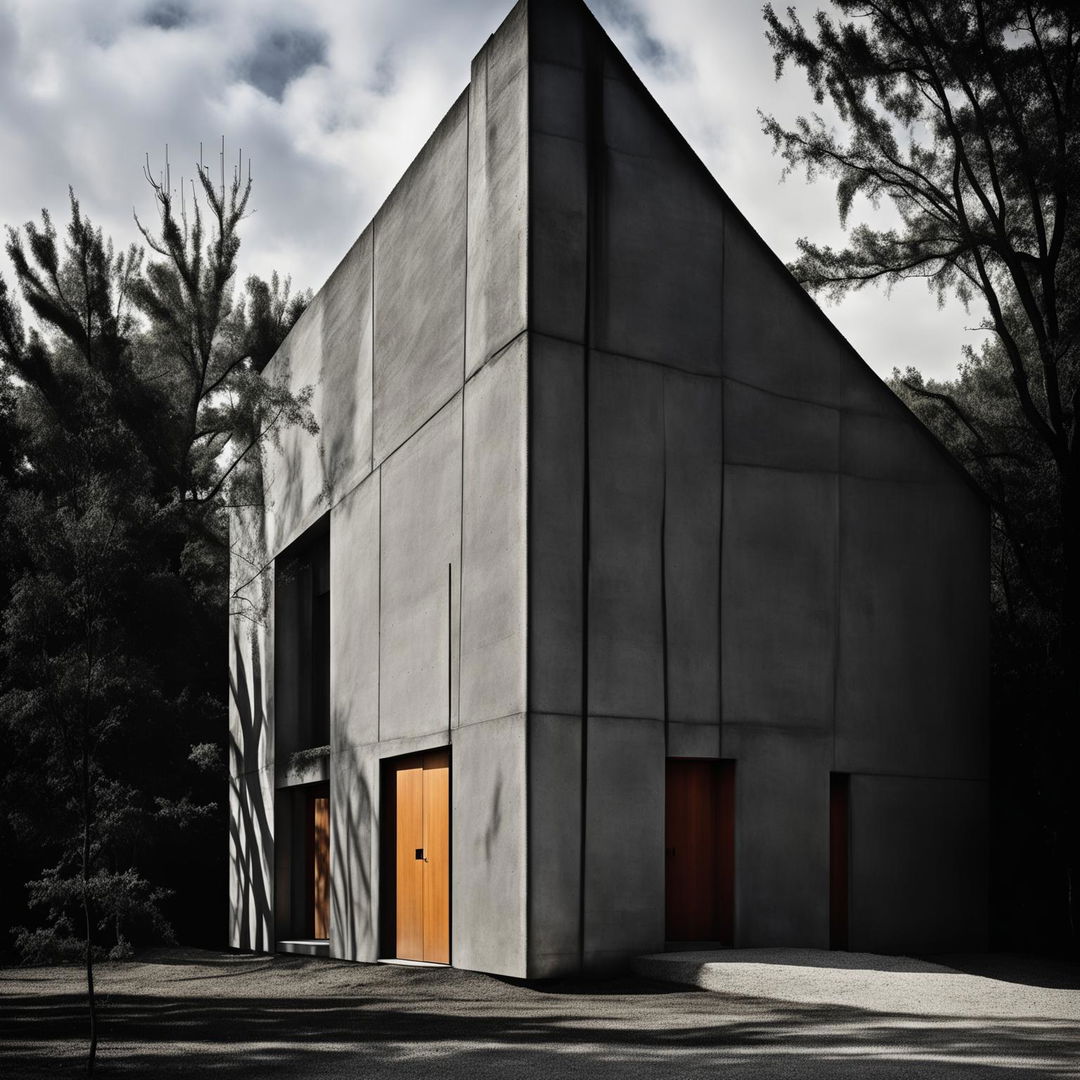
x=729, y=205
x=790, y=278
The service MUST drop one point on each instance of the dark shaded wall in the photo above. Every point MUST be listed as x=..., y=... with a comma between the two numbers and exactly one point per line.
x=741, y=544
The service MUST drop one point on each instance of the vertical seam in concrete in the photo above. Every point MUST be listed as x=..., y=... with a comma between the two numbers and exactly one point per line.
x=449, y=646
x=723, y=486
x=371, y=458
x=528, y=485
x=663, y=561
x=594, y=120
x=836, y=593
x=464, y=371
x=378, y=628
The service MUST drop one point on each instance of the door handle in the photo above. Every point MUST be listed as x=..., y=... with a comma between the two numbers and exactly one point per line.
x=420, y=853
x=670, y=852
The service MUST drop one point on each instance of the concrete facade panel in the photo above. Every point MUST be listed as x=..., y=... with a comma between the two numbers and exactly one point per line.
x=345, y=415
x=497, y=191
x=556, y=525
x=918, y=864
x=420, y=287
x=420, y=542
x=692, y=740
x=779, y=432
x=354, y=616
x=251, y=860
x=559, y=31
x=558, y=236
x=624, y=840
x=693, y=481
x=914, y=612
x=554, y=848
x=626, y=493
x=489, y=871
x=893, y=448
x=781, y=835
x=354, y=862
x=557, y=100
x=779, y=588
x=494, y=559
x=775, y=336
x=662, y=253
x=295, y=480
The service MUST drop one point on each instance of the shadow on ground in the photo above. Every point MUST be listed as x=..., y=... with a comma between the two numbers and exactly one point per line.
x=267, y=1016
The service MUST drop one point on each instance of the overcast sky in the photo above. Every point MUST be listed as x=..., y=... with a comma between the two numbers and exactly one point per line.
x=331, y=100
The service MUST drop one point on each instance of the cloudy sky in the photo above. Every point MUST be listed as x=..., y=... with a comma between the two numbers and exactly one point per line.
x=331, y=100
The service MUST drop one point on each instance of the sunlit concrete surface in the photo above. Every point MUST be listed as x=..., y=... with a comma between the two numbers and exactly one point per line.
x=192, y=1013
x=894, y=984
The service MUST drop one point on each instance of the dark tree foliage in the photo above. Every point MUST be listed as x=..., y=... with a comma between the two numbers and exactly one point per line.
x=964, y=116
x=133, y=411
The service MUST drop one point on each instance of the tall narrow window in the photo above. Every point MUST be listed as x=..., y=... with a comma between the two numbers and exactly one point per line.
x=320, y=644
x=302, y=643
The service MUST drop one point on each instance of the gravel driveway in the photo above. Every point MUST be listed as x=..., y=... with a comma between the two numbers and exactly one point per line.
x=781, y=1014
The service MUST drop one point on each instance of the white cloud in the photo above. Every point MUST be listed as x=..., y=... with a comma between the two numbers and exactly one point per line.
x=331, y=101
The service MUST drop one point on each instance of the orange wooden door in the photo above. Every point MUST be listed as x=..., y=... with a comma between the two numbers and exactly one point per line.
x=699, y=856
x=422, y=811
x=410, y=867
x=320, y=846
x=437, y=856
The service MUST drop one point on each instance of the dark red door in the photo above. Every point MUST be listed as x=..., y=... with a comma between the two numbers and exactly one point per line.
x=839, y=817
x=700, y=850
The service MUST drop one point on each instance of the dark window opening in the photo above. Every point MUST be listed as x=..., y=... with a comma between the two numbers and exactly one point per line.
x=302, y=644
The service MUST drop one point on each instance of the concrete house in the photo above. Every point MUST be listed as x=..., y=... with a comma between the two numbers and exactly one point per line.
x=617, y=601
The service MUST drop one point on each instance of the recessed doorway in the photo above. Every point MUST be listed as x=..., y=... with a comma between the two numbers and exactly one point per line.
x=302, y=858
x=416, y=846
x=700, y=850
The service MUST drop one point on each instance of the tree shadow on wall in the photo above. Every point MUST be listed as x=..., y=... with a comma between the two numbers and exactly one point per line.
x=353, y=815
x=251, y=835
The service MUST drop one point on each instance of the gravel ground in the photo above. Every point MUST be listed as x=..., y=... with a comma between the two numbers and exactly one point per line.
x=778, y=1014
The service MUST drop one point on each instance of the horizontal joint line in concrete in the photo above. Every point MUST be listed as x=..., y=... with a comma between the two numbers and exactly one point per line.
x=792, y=397
x=493, y=356
x=387, y=456
x=916, y=776
x=490, y=720
x=626, y=356
x=552, y=62
x=555, y=135
x=611, y=716
x=440, y=733
x=735, y=463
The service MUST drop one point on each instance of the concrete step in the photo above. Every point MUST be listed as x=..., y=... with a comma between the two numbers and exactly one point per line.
x=305, y=946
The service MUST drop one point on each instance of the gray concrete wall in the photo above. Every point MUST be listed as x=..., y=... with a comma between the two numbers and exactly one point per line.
x=605, y=486
x=414, y=353
x=919, y=859
x=739, y=540
x=251, y=739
